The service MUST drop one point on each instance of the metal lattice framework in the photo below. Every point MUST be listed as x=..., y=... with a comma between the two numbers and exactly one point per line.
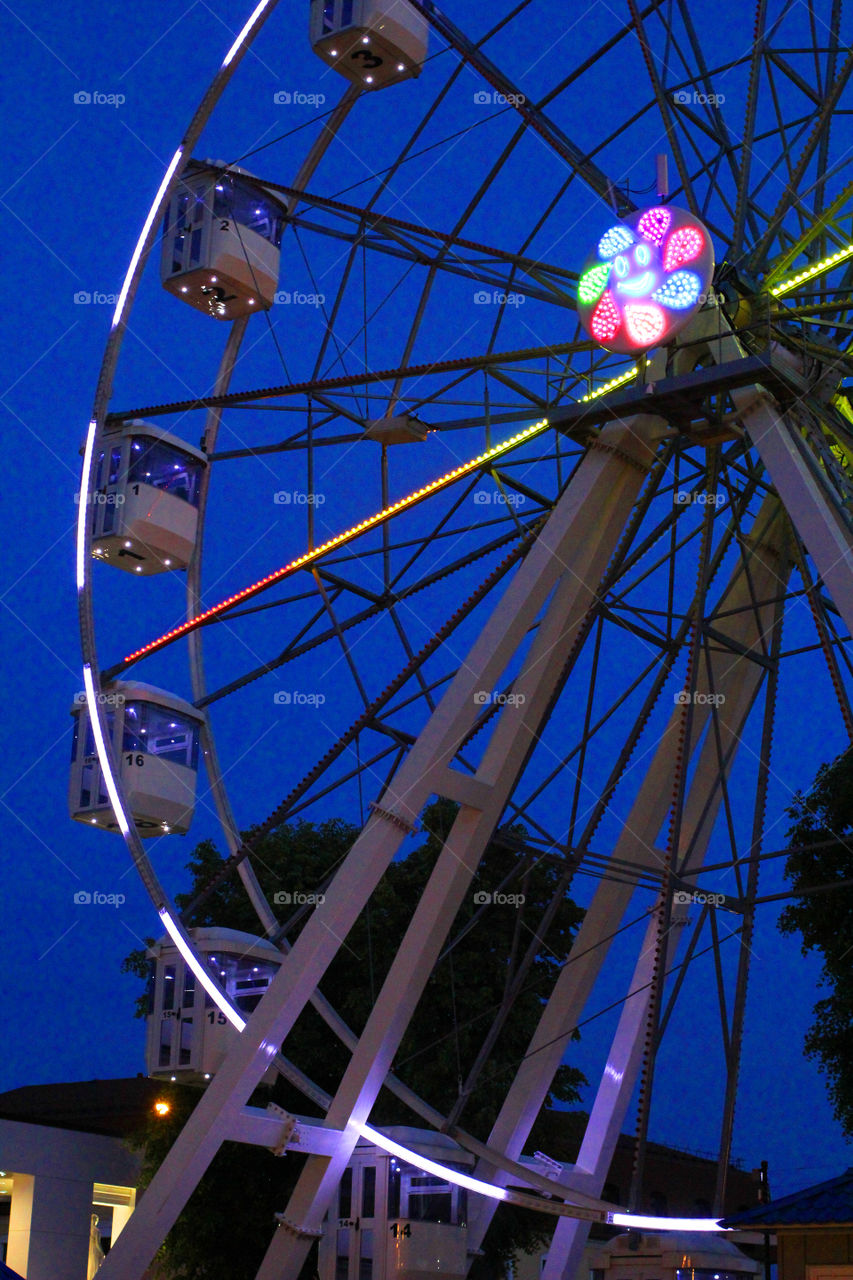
x=648, y=531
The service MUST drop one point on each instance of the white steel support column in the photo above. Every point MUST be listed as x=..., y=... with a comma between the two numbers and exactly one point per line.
x=613, y=1097
x=782, y=450
x=483, y=797
x=581, y=532
x=736, y=679
x=769, y=571
x=829, y=542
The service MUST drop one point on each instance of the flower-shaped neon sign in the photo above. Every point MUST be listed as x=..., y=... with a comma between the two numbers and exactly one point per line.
x=646, y=277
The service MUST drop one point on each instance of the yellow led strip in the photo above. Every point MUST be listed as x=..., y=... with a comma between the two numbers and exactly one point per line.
x=309, y=557
x=785, y=286
x=611, y=385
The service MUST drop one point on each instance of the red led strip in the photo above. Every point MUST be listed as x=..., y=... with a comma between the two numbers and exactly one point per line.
x=309, y=557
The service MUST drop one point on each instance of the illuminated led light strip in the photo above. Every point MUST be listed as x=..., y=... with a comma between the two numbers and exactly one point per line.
x=419, y=1161
x=83, y=506
x=665, y=1224
x=242, y=36
x=501, y=1193
x=213, y=990
x=393, y=1148
x=103, y=754
x=832, y=261
x=430, y=1166
x=611, y=385
x=143, y=235
x=309, y=557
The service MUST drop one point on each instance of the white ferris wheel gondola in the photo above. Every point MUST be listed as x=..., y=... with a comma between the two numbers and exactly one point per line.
x=187, y=1035
x=221, y=247
x=374, y=43
x=155, y=739
x=145, y=499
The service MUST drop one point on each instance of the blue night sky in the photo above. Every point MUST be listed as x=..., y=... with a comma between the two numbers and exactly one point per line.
x=78, y=181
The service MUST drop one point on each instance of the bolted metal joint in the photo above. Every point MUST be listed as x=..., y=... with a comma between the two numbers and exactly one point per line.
x=297, y=1230
x=288, y=1125
x=397, y=819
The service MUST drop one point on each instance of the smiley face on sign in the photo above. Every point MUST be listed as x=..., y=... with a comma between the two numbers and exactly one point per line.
x=647, y=276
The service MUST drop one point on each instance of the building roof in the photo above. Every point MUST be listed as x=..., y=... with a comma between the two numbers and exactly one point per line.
x=562, y=1133
x=828, y=1202
x=113, y=1108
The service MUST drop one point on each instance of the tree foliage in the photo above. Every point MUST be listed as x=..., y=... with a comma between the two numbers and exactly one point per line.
x=225, y=1228
x=454, y=1015
x=822, y=836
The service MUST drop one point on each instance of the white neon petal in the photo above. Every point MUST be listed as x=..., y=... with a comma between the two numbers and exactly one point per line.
x=103, y=756
x=430, y=1166
x=216, y=994
x=643, y=1223
x=83, y=509
x=143, y=235
x=242, y=36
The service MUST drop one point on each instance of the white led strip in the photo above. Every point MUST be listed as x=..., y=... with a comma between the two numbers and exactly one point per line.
x=242, y=36
x=143, y=235
x=393, y=1148
x=85, y=483
x=213, y=990
x=430, y=1166
x=83, y=505
x=103, y=755
x=500, y=1193
x=641, y=1223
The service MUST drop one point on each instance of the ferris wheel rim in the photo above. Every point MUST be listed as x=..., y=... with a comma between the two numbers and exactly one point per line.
x=230, y=56
x=258, y=10
x=91, y=671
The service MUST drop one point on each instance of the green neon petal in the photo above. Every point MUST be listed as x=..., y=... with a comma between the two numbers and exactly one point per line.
x=593, y=282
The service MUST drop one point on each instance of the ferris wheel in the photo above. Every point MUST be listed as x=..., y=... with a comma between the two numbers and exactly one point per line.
x=567, y=470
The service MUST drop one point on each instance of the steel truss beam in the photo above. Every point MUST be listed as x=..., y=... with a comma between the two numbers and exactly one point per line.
x=737, y=683
x=811, y=502
x=594, y=177
x=678, y=398
x=415, y=242
x=365, y=378
x=482, y=796
x=563, y=568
